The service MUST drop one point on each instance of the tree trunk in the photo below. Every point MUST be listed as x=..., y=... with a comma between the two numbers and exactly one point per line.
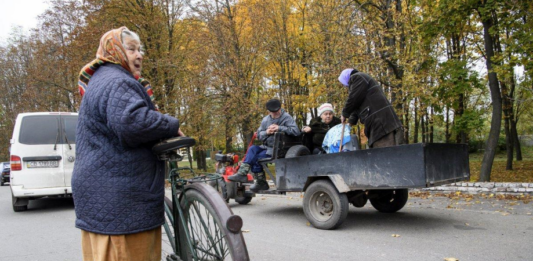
x=516, y=142
x=248, y=133
x=416, y=121
x=447, y=131
x=229, y=136
x=461, y=136
x=495, y=126
x=423, y=125
x=431, y=126
x=508, y=143
x=200, y=156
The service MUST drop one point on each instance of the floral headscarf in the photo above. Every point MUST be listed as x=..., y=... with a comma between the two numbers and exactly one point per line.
x=110, y=50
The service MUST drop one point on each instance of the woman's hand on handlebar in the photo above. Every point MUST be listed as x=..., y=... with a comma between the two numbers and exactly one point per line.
x=180, y=133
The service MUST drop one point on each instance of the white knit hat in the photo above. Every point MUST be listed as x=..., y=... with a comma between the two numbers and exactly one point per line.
x=325, y=107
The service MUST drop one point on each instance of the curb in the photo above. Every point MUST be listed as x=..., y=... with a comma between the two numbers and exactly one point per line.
x=498, y=188
x=505, y=188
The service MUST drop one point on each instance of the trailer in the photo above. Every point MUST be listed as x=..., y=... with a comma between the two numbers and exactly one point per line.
x=383, y=176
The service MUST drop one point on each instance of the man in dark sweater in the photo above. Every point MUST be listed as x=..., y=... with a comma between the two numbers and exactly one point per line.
x=276, y=120
x=318, y=127
x=367, y=102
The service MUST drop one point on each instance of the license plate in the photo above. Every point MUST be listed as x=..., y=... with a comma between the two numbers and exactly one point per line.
x=43, y=164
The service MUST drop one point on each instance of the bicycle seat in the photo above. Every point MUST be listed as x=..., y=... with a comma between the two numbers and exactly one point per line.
x=173, y=144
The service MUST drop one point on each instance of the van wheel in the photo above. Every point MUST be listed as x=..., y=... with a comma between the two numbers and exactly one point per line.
x=20, y=207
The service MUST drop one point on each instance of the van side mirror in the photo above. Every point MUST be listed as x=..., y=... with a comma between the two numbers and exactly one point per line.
x=11, y=141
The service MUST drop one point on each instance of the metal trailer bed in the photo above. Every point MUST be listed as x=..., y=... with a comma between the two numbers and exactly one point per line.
x=381, y=176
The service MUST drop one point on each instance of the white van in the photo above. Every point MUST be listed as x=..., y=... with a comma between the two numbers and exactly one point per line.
x=42, y=156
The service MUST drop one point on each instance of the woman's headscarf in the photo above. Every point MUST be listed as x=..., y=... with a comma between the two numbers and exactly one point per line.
x=110, y=50
x=344, y=78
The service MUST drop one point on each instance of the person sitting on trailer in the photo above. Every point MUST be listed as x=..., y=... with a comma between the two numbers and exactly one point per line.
x=318, y=127
x=277, y=120
x=367, y=102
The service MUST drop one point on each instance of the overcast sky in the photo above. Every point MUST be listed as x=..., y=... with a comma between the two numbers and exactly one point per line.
x=19, y=13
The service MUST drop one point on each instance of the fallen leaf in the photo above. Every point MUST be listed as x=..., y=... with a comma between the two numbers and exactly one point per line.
x=263, y=198
x=467, y=224
x=395, y=235
x=308, y=224
x=290, y=197
x=245, y=231
x=451, y=259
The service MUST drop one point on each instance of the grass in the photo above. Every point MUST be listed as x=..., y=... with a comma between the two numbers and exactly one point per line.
x=522, y=170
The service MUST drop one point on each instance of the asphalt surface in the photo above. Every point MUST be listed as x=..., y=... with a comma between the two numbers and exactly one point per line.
x=426, y=229
x=44, y=232
x=275, y=228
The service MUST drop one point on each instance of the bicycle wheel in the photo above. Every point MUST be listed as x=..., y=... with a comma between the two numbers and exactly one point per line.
x=213, y=231
x=168, y=241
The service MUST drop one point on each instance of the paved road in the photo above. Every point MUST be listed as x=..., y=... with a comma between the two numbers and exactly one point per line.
x=428, y=229
x=43, y=233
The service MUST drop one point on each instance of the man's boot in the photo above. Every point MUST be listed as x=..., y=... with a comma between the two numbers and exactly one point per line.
x=242, y=174
x=260, y=183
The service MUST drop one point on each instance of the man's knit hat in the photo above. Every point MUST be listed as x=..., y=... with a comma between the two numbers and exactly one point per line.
x=325, y=107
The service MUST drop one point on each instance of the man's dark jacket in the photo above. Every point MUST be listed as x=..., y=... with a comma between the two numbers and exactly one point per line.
x=118, y=183
x=319, y=130
x=367, y=102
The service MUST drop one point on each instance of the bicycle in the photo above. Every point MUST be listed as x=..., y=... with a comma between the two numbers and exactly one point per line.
x=199, y=224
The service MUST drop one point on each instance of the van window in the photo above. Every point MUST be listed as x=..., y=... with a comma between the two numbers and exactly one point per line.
x=42, y=129
x=70, y=123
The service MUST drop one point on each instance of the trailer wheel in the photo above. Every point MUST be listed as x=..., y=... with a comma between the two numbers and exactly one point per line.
x=390, y=201
x=297, y=151
x=324, y=206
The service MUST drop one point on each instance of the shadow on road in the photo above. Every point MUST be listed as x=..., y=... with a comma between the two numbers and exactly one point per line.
x=366, y=218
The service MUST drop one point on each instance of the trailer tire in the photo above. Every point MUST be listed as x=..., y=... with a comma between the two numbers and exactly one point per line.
x=390, y=201
x=297, y=151
x=324, y=206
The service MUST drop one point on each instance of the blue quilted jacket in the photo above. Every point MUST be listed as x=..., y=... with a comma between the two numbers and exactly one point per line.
x=118, y=183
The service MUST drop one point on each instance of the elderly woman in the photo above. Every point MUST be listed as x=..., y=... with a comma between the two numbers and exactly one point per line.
x=118, y=183
x=319, y=126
